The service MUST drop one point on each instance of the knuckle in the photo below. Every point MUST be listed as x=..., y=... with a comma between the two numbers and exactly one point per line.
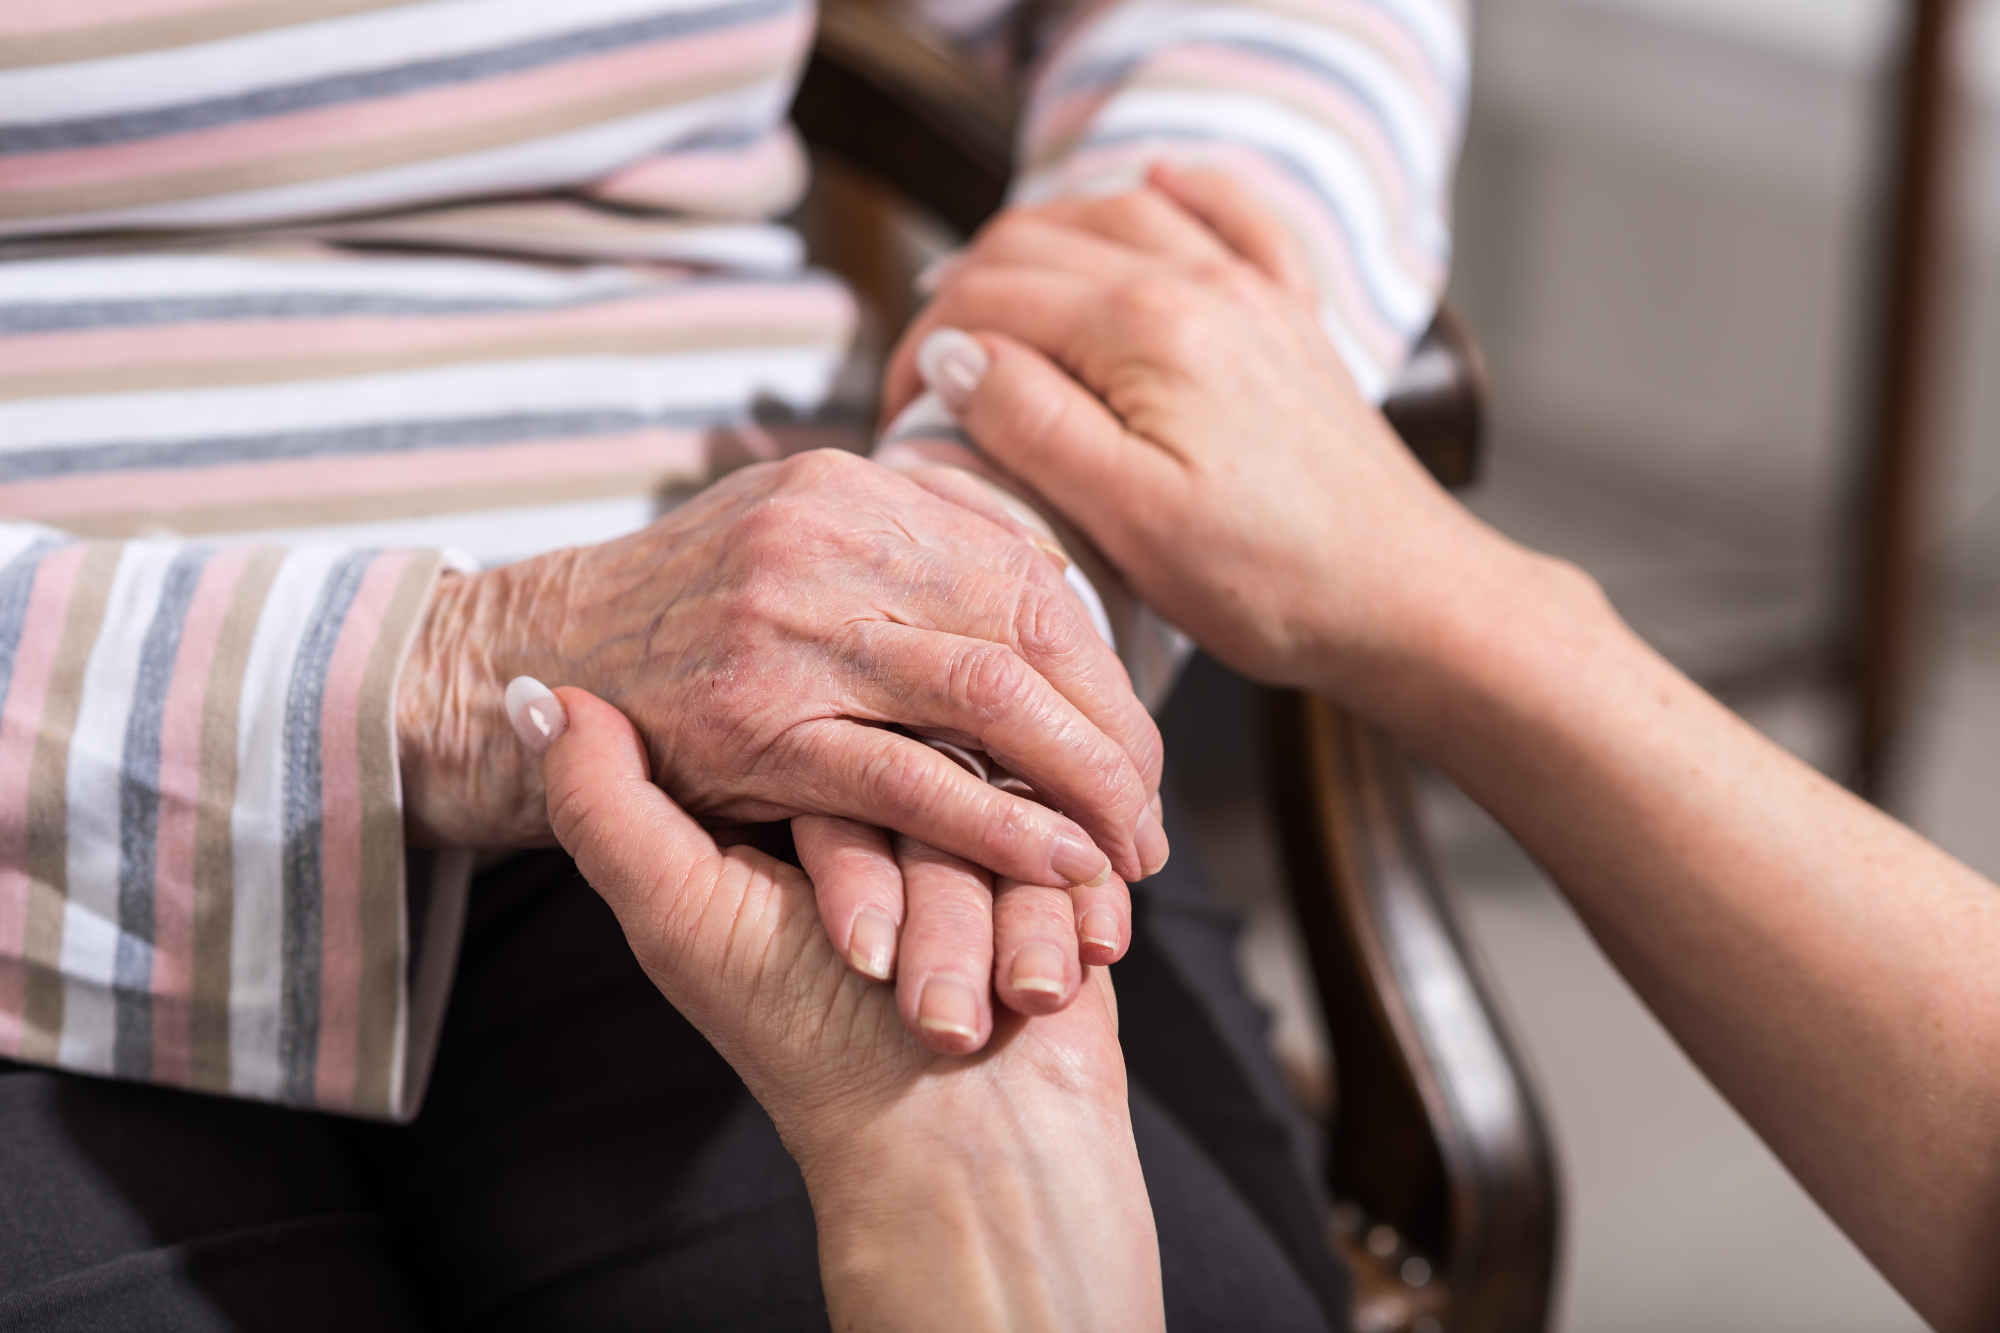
x=1140, y=207
x=986, y=677
x=898, y=777
x=1153, y=299
x=1046, y=624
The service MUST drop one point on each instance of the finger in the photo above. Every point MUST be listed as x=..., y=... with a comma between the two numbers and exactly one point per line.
x=1047, y=429
x=1046, y=625
x=1243, y=222
x=629, y=840
x=1144, y=220
x=1035, y=966
x=1034, y=238
x=943, y=986
x=998, y=589
x=1042, y=307
x=982, y=691
x=875, y=776
x=1103, y=914
x=858, y=888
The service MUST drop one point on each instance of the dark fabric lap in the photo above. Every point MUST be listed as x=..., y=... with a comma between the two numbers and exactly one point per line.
x=585, y=1161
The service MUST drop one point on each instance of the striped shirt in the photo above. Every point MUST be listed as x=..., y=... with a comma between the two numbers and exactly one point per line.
x=296, y=296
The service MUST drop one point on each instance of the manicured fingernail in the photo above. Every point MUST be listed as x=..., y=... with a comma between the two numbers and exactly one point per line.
x=971, y=761
x=1151, y=841
x=948, y=1005
x=1099, y=926
x=953, y=365
x=932, y=275
x=871, y=945
x=1038, y=967
x=1052, y=548
x=538, y=716
x=1078, y=861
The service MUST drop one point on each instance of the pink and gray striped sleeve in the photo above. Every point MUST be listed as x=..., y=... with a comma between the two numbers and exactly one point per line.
x=202, y=871
x=1345, y=115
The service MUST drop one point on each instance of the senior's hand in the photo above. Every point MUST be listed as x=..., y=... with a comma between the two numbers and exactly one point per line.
x=1154, y=365
x=761, y=636
x=997, y=1191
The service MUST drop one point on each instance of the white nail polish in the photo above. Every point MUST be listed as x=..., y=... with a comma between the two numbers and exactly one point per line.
x=953, y=365
x=538, y=716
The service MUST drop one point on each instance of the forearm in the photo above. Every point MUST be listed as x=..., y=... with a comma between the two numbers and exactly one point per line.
x=1028, y=1211
x=1835, y=975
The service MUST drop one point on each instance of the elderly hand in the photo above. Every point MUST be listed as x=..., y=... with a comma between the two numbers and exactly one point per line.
x=1154, y=365
x=997, y=1191
x=766, y=637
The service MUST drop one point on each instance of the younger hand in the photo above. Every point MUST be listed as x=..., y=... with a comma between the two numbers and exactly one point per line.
x=1153, y=366
x=999, y=1191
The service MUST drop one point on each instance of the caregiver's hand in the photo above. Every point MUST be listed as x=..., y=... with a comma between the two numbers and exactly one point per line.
x=1830, y=971
x=1215, y=448
x=760, y=635
x=998, y=1191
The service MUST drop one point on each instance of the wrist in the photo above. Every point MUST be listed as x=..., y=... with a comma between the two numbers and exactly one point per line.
x=1476, y=623
x=467, y=781
x=1016, y=1205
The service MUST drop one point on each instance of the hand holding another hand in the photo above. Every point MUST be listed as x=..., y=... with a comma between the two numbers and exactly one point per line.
x=1153, y=364
x=783, y=638
x=995, y=1191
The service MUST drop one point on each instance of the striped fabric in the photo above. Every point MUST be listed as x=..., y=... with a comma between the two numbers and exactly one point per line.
x=186, y=729
x=1345, y=115
x=197, y=113
x=296, y=295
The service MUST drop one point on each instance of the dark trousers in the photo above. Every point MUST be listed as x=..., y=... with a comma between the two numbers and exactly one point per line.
x=585, y=1161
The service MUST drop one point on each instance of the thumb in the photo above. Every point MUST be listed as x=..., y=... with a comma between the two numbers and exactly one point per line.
x=629, y=839
x=1041, y=425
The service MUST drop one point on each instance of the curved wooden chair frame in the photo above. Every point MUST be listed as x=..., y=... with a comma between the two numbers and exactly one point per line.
x=1439, y=1151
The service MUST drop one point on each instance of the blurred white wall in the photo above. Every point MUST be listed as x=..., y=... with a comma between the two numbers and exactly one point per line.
x=1662, y=212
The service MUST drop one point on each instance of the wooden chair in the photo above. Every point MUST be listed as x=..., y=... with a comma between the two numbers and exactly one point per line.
x=1444, y=1180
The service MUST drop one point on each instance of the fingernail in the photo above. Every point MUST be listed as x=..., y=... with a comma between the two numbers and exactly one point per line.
x=1012, y=785
x=953, y=364
x=1151, y=842
x=871, y=945
x=1051, y=548
x=1038, y=967
x=1099, y=926
x=932, y=275
x=538, y=716
x=1078, y=861
x=948, y=1005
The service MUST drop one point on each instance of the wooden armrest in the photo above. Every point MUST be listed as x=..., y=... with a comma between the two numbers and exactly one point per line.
x=909, y=112
x=1436, y=1132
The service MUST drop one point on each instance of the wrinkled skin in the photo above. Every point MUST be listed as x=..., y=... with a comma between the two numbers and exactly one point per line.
x=760, y=637
x=930, y=1176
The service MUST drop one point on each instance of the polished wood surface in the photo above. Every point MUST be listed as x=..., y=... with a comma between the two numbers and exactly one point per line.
x=1438, y=1143
x=1890, y=583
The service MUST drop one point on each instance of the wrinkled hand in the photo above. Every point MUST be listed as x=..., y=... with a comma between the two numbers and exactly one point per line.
x=920, y=1166
x=1154, y=366
x=761, y=637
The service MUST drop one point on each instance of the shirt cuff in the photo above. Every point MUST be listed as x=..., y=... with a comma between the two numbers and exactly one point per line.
x=203, y=881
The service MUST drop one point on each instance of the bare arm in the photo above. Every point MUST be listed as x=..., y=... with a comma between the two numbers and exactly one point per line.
x=1835, y=975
